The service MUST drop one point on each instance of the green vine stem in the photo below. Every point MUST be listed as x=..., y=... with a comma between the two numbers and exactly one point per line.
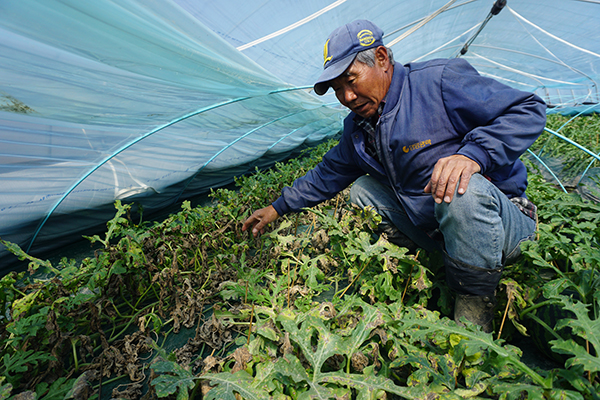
x=544, y=325
x=534, y=307
x=74, y=349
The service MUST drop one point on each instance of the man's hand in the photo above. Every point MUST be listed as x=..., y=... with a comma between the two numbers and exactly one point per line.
x=447, y=173
x=260, y=219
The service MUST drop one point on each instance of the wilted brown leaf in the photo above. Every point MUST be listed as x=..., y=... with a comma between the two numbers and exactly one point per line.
x=359, y=361
x=241, y=356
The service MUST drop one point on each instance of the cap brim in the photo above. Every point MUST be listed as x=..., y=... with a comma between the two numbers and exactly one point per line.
x=331, y=72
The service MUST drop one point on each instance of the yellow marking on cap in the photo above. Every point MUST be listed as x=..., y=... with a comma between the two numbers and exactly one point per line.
x=365, y=37
x=325, y=51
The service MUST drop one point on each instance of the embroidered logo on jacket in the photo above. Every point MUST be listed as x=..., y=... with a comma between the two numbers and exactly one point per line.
x=416, y=146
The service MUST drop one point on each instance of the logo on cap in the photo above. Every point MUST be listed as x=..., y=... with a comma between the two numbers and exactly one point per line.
x=365, y=37
x=325, y=51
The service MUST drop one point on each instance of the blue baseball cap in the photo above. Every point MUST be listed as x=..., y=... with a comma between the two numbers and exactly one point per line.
x=341, y=48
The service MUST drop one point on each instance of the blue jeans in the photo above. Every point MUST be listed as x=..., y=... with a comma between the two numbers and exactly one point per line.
x=482, y=230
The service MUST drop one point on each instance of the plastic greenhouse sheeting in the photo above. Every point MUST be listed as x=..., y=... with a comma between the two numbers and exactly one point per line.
x=154, y=101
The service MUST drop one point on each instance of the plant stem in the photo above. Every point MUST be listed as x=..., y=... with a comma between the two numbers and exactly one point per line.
x=544, y=325
x=75, y=360
x=504, y=316
x=408, y=280
x=116, y=378
x=250, y=326
x=353, y=280
x=535, y=307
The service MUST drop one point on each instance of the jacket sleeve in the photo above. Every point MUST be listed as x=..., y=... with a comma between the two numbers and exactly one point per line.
x=498, y=122
x=333, y=174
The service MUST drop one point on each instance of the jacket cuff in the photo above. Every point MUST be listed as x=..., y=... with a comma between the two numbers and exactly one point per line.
x=477, y=154
x=280, y=206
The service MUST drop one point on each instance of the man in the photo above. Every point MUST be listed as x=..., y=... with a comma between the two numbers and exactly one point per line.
x=434, y=148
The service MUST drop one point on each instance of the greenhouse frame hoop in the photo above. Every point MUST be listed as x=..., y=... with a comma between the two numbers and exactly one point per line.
x=189, y=180
x=144, y=136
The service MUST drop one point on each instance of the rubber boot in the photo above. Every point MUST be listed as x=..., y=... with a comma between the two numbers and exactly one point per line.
x=476, y=309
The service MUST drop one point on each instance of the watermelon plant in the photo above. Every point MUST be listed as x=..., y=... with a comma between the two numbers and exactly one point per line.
x=319, y=307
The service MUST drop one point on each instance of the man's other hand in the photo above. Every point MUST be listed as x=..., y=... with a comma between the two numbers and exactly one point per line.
x=259, y=220
x=447, y=173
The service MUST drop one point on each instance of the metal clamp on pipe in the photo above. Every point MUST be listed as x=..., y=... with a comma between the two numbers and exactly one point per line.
x=498, y=6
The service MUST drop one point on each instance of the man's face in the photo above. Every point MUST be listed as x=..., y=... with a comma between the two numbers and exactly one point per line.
x=361, y=88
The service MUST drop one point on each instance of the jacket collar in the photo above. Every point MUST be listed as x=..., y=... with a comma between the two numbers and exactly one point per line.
x=393, y=95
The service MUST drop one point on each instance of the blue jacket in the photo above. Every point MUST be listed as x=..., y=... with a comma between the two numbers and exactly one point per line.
x=432, y=110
